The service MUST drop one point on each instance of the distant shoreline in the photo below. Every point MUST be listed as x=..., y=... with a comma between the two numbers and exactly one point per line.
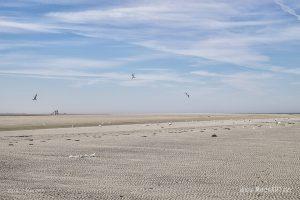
x=31, y=122
x=142, y=114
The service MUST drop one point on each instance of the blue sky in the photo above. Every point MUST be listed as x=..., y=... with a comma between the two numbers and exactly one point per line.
x=231, y=56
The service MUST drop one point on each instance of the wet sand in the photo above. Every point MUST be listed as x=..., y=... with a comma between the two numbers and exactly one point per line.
x=136, y=157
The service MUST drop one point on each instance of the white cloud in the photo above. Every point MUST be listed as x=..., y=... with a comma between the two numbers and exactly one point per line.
x=247, y=81
x=16, y=61
x=293, y=71
x=121, y=78
x=51, y=62
x=7, y=25
x=230, y=53
x=216, y=30
x=154, y=12
x=28, y=3
x=287, y=8
x=222, y=31
x=207, y=74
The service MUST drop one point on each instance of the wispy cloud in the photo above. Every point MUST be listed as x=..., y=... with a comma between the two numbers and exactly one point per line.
x=185, y=28
x=8, y=25
x=67, y=68
x=215, y=30
x=233, y=53
x=242, y=47
x=247, y=81
x=287, y=8
x=52, y=62
x=28, y=3
x=120, y=78
x=156, y=11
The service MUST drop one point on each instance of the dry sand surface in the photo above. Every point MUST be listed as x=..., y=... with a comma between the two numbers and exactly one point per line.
x=63, y=121
x=136, y=157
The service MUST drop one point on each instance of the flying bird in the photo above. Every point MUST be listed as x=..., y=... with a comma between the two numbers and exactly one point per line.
x=133, y=76
x=35, y=97
x=187, y=94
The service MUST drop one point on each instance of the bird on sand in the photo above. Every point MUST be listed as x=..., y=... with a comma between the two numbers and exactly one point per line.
x=133, y=76
x=187, y=94
x=34, y=98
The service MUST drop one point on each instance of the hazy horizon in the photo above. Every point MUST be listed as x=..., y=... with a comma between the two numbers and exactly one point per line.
x=148, y=113
x=78, y=56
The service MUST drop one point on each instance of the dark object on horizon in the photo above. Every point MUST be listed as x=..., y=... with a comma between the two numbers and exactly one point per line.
x=133, y=76
x=187, y=94
x=214, y=135
x=35, y=97
x=55, y=112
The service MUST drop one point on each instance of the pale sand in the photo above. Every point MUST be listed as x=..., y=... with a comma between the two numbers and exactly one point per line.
x=62, y=121
x=151, y=160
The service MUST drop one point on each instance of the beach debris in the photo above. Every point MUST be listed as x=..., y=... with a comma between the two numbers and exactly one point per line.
x=93, y=155
x=100, y=125
x=214, y=135
x=170, y=123
x=227, y=128
x=83, y=156
x=10, y=144
x=71, y=156
x=21, y=136
x=277, y=122
x=35, y=97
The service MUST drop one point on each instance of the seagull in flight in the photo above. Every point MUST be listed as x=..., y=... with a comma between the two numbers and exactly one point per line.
x=187, y=94
x=133, y=76
x=35, y=97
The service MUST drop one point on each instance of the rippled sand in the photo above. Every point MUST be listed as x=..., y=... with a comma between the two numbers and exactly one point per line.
x=251, y=157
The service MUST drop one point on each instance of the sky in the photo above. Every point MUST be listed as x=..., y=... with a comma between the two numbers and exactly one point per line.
x=78, y=56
